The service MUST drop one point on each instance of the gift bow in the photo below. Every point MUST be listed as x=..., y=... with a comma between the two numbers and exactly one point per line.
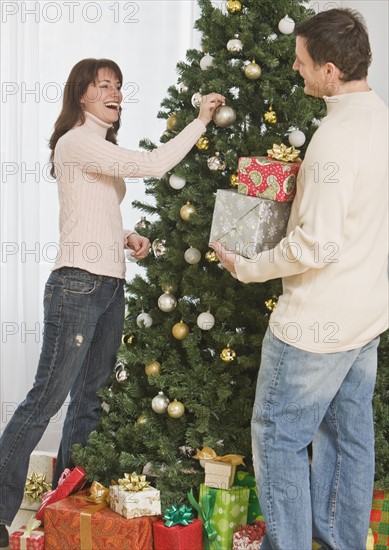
x=133, y=482
x=175, y=515
x=66, y=473
x=284, y=153
x=36, y=486
x=206, y=453
x=98, y=494
x=205, y=511
x=31, y=526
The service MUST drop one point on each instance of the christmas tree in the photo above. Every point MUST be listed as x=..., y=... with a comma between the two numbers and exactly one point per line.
x=192, y=331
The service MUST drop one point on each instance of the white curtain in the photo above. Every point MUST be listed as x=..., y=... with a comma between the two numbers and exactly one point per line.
x=40, y=42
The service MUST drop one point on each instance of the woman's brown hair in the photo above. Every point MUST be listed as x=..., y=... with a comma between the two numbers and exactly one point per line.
x=82, y=74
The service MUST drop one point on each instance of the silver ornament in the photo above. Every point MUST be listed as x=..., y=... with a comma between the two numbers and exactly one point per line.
x=192, y=255
x=144, y=320
x=121, y=372
x=182, y=88
x=142, y=224
x=206, y=62
x=160, y=403
x=176, y=182
x=196, y=100
x=167, y=302
x=159, y=248
x=235, y=45
x=224, y=116
x=205, y=320
x=216, y=162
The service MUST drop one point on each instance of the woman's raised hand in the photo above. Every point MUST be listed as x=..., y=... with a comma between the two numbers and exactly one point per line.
x=208, y=104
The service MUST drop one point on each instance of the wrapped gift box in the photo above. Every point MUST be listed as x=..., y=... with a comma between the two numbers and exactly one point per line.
x=249, y=537
x=70, y=482
x=178, y=537
x=219, y=474
x=26, y=539
x=43, y=464
x=248, y=225
x=244, y=479
x=379, y=519
x=74, y=523
x=134, y=504
x=229, y=511
x=267, y=178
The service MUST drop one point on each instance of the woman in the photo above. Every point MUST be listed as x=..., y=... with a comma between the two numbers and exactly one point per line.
x=84, y=299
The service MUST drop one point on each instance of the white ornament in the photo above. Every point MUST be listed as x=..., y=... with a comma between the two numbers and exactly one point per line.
x=159, y=403
x=176, y=182
x=206, y=62
x=286, y=25
x=129, y=255
x=182, y=88
x=205, y=320
x=297, y=138
x=144, y=320
x=167, y=302
x=192, y=255
x=235, y=45
x=196, y=100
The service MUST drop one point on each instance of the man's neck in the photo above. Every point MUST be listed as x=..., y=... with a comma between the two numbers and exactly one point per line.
x=351, y=87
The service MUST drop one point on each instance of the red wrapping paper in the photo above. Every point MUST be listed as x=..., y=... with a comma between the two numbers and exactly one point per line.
x=36, y=541
x=108, y=530
x=267, y=178
x=70, y=482
x=178, y=537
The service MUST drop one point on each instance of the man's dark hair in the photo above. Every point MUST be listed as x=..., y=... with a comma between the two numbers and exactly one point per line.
x=338, y=36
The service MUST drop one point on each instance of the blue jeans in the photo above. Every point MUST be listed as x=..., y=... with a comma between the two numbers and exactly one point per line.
x=83, y=323
x=326, y=399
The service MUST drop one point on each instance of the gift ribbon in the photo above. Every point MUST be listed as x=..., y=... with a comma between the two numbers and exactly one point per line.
x=205, y=511
x=175, y=515
x=30, y=528
x=207, y=453
x=65, y=474
x=133, y=482
x=36, y=486
x=99, y=496
x=284, y=153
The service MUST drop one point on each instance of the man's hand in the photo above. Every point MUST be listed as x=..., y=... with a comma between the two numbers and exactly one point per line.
x=226, y=257
x=140, y=245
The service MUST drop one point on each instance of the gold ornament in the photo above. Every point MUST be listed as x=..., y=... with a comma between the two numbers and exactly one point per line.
x=253, y=70
x=202, y=144
x=234, y=6
x=142, y=419
x=284, y=153
x=36, y=485
x=271, y=304
x=270, y=116
x=175, y=409
x=171, y=123
x=180, y=330
x=234, y=180
x=211, y=257
x=153, y=368
x=172, y=288
x=187, y=211
x=228, y=355
x=128, y=340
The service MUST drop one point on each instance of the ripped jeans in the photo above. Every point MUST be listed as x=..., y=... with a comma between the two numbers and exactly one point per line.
x=83, y=324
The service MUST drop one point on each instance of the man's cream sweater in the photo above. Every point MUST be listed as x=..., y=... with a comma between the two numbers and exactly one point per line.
x=90, y=172
x=334, y=259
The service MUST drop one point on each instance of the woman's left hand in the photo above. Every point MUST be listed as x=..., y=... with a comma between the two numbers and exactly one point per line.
x=140, y=245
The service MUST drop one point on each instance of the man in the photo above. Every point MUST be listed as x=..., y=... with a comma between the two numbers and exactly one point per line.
x=319, y=355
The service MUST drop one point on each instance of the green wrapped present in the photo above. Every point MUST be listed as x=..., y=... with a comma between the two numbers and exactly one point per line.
x=222, y=511
x=244, y=479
